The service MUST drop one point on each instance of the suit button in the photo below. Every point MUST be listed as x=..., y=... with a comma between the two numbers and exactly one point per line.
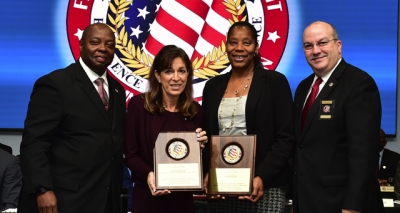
x=107, y=187
x=300, y=146
x=295, y=173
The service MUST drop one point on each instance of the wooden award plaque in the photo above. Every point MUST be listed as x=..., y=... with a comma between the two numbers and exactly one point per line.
x=177, y=162
x=232, y=165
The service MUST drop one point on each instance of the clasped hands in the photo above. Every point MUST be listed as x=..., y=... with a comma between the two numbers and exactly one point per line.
x=383, y=182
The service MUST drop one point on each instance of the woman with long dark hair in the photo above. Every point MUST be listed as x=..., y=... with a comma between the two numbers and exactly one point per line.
x=167, y=106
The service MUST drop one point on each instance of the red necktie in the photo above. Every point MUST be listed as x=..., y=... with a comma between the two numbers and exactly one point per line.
x=102, y=92
x=310, y=101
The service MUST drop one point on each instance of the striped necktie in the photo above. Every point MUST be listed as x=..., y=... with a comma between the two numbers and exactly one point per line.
x=102, y=92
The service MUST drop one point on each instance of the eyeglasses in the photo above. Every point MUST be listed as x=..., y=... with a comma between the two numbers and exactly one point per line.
x=308, y=46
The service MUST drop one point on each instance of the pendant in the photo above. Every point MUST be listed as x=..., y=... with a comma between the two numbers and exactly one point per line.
x=236, y=92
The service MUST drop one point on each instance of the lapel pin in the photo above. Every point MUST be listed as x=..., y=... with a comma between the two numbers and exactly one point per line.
x=384, y=167
x=116, y=90
x=330, y=84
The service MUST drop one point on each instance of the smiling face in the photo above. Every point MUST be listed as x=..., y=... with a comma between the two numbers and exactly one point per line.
x=173, y=80
x=241, y=47
x=97, y=47
x=322, y=59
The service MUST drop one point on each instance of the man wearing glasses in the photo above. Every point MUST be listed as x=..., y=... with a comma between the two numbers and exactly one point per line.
x=337, y=122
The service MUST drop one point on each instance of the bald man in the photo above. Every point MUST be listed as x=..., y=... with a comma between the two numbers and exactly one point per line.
x=71, y=150
x=336, y=131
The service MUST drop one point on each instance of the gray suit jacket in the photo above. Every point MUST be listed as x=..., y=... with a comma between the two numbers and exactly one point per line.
x=10, y=180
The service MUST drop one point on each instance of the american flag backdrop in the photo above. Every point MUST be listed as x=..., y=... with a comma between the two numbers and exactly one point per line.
x=194, y=25
x=143, y=27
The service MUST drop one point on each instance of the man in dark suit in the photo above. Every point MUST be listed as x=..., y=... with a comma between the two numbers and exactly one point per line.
x=336, y=143
x=387, y=163
x=10, y=180
x=397, y=182
x=72, y=145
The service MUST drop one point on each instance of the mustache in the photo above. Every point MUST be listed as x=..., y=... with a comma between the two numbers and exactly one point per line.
x=318, y=56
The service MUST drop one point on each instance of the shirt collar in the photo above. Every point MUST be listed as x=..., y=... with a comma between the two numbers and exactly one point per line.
x=91, y=74
x=326, y=77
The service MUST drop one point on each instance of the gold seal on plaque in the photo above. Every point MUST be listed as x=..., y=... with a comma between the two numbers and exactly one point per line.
x=177, y=150
x=232, y=153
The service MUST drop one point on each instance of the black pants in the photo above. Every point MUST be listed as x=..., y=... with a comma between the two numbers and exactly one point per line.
x=109, y=206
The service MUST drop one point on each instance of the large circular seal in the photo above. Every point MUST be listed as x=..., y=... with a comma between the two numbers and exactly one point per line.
x=199, y=27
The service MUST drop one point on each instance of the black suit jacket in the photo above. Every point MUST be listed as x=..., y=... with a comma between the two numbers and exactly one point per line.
x=387, y=170
x=268, y=115
x=72, y=144
x=336, y=158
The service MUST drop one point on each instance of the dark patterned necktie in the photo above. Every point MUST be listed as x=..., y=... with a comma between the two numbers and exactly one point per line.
x=310, y=101
x=102, y=92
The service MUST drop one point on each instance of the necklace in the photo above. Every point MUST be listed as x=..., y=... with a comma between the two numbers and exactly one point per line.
x=236, y=92
x=232, y=117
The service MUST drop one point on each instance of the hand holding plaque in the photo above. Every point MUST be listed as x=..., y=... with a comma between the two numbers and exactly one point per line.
x=232, y=165
x=177, y=162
